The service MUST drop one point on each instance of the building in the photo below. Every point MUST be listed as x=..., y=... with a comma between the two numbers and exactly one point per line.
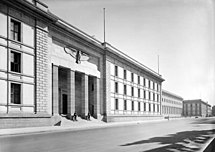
x=213, y=111
x=50, y=69
x=196, y=107
x=172, y=104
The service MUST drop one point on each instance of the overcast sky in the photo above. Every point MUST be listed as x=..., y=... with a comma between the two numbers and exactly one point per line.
x=181, y=32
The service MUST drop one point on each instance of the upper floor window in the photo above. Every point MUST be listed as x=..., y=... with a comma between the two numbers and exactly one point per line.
x=149, y=95
x=116, y=70
x=144, y=82
x=153, y=97
x=132, y=91
x=138, y=79
x=144, y=94
x=116, y=87
x=15, y=61
x=15, y=30
x=15, y=93
x=139, y=93
x=125, y=89
x=125, y=74
x=153, y=85
x=132, y=77
x=149, y=84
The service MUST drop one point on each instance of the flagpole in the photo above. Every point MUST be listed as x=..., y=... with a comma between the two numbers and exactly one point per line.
x=104, y=23
x=158, y=64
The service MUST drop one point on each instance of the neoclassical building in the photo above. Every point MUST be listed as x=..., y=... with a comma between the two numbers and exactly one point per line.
x=196, y=107
x=50, y=69
x=172, y=104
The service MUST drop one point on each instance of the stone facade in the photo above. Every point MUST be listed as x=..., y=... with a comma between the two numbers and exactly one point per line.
x=172, y=104
x=65, y=71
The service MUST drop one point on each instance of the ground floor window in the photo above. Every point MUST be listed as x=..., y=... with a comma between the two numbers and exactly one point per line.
x=15, y=93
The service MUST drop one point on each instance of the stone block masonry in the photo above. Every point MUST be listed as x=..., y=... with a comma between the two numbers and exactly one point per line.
x=41, y=70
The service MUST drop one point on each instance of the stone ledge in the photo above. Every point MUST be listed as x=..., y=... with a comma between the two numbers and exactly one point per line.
x=24, y=115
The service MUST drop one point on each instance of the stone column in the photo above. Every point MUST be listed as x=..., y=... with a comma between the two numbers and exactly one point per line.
x=55, y=90
x=71, y=99
x=84, y=95
x=96, y=97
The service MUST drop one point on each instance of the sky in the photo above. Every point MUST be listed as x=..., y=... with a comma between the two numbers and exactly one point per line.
x=180, y=32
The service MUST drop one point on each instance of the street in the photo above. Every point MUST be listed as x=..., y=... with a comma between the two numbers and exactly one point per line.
x=188, y=134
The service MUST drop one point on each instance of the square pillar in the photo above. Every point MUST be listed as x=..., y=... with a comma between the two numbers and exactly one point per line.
x=84, y=95
x=55, y=90
x=71, y=99
x=96, y=97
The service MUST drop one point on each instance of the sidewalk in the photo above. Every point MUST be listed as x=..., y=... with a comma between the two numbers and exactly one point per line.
x=72, y=126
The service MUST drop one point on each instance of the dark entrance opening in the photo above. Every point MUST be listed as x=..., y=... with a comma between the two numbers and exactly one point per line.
x=64, y=103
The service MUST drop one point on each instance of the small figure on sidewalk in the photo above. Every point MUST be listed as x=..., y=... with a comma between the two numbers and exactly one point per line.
x=75, y=117
x=88, y=116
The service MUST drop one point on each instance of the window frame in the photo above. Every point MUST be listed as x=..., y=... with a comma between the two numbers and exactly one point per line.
x=13, y=93
x=19, y=64
x=15, y=22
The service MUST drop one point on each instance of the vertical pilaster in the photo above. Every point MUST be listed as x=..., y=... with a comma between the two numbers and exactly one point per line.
x=41, y=68
x=96, y=97
x=71, y=101
x=55, y=91
x=84, y=94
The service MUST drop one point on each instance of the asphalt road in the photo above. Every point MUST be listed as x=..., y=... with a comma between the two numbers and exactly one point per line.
x=168, y=136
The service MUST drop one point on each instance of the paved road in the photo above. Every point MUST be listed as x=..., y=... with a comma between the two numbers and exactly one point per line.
x=169, y=136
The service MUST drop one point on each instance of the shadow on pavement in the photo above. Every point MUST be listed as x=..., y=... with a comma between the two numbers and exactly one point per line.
x=204, y=121
x=191, y=141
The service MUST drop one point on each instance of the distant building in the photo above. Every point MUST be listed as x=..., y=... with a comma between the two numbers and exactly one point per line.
x=213, y=111
x=50, y=69
x=171, y=104
x=196, y=107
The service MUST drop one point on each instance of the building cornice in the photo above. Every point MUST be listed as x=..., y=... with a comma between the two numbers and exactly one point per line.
x=167, y=93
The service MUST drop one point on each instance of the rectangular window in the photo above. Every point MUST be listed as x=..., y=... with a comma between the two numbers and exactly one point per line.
x=116, y=104
x=138, y=79
x=153, y=97
x=144, y=94
x=125, y=104
x=138, y=106
x=144, y=82
x=116, y=87
x=15, y=61
x=149, y=95
x=157, y=87
x=125, y=74
x=132, y=91
x=139, y=93
x=116, y=70
x=158, y=108
x=132, y=105
x=132, y=77
x=125, y=89
x=15, y=93
x=15, y=30
x=154, y=107
x=153, y=85
x=149, y=107
x=158, y=98
x=144, y=106
x=149, y=84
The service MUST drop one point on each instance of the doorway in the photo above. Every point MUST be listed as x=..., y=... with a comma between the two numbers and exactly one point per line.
x=64, y=103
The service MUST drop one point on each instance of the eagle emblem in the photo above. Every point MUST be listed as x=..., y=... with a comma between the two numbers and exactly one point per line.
x=77, y=54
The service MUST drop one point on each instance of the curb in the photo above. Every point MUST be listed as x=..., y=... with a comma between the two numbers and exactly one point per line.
x=51, y=129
